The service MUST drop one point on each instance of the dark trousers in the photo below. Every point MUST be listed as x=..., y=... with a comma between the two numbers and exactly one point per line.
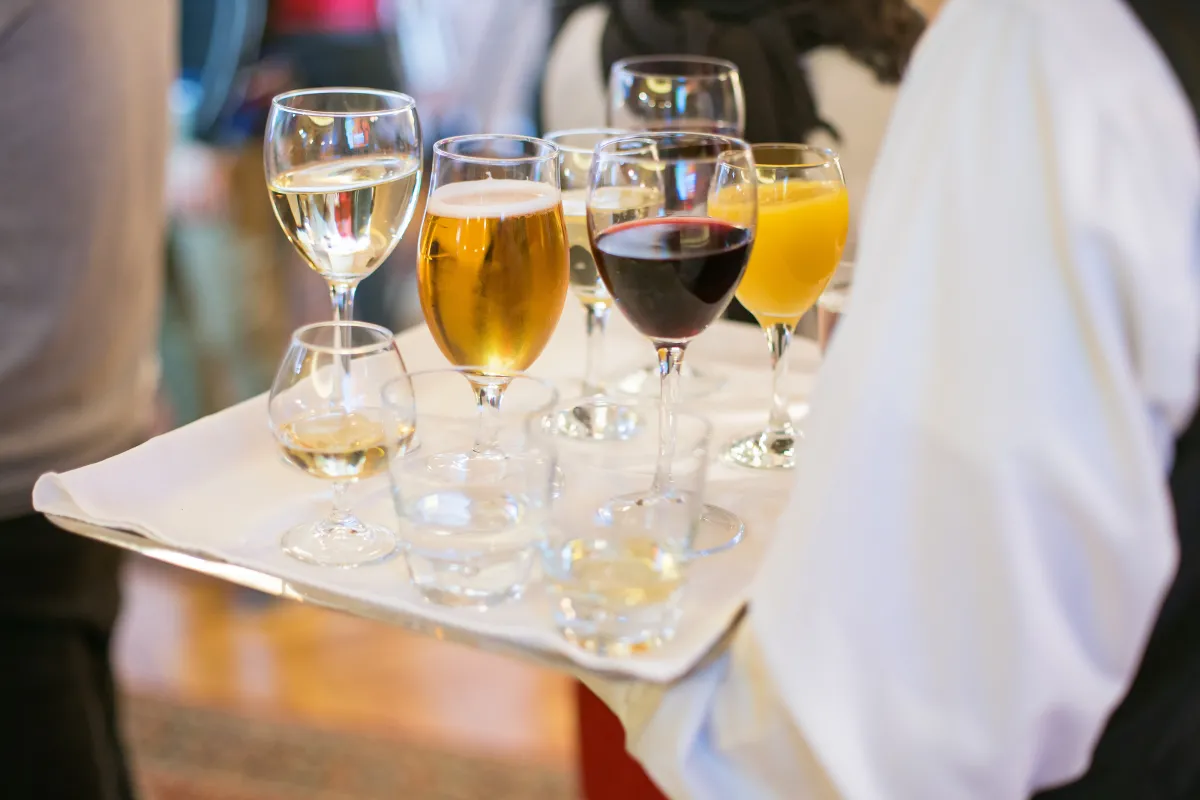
x=59, y=597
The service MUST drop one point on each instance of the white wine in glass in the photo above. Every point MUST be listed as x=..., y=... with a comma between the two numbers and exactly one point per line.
x=343, y=167
x=346, y=216
x=326, y=412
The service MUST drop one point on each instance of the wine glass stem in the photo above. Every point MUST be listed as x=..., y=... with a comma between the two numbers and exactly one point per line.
x=670, y=360
x=487, y=397
x=342, y=295
x=779, y=338
x=597, y=324
x=340, y=514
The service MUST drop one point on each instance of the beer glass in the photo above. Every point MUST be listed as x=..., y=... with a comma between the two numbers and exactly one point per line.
x=343, y=167
x=492, y=260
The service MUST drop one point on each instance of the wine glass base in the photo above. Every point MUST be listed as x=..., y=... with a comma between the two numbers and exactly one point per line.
x=342, y=545
x=718, y=530
x=764, y=450
x=693, y=383
x=597, y=419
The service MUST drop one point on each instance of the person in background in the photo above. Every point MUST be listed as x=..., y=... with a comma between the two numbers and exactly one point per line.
x=822, y=72
x=83, y=95
x=987, y=584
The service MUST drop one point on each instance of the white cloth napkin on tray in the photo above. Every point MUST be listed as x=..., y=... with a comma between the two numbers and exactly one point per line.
x=218, y=487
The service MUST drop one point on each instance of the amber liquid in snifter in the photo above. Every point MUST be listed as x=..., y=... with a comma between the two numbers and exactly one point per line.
x=492, y=270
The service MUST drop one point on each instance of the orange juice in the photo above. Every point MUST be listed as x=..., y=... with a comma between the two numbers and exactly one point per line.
x=797, y=246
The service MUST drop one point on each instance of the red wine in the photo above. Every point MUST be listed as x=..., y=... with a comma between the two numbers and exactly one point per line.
x=672, y=276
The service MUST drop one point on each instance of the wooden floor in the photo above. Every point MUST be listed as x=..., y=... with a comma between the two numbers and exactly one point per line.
x=197, y=641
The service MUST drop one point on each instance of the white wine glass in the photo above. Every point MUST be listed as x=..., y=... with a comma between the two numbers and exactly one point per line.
x=343, y=167
x=675, y=93
x=325, y=411
x=595, y=415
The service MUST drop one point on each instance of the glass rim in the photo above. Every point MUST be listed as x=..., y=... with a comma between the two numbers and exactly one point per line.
x=439, y=149
x=282, y=101
x=627, y=65
x=388, y=338
x=739, y=145
x=829, y=156
x=608, y=133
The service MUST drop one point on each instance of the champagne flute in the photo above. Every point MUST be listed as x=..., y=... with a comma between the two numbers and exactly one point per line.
x=594, y=416
x=803, y=215
x=492, y=261
x=675, y=92
x=326, y=414
x=674, y=273
x=343, y=167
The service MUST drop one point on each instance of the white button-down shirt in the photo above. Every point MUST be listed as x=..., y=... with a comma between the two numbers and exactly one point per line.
x=980, y=532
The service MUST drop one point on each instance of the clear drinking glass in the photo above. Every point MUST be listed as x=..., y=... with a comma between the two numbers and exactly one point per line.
x=343, y=167
x=832, y=303
x=675, y=92
x=618, y=579
x=492, y=257
x=594, y=416
x=326, y=415
x=803, y=215
x=674, y=273
x=470, y=527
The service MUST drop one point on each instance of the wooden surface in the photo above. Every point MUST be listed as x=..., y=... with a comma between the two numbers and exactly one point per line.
x=205, y=642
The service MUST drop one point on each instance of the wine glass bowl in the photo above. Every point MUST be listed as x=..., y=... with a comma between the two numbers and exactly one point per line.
x=676, y=92
x=343, y=167
x=325, y=413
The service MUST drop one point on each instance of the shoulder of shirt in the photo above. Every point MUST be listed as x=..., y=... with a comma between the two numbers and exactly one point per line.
x=1099, y=50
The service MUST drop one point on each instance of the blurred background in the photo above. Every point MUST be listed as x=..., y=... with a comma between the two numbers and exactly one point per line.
x=231, y=694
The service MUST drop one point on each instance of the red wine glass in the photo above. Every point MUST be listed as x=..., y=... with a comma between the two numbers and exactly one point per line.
x=674, y=272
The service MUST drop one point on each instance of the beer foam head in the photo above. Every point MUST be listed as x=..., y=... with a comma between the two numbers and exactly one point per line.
x=492, y=198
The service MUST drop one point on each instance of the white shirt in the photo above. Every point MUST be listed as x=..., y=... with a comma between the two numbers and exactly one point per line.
x=980, y=531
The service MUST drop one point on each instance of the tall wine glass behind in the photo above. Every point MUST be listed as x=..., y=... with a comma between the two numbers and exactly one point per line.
x=343, y=167
x=674, y=273
x=492, y=261
x=803, y=214
x=594, y=415
x=675, y=93
x=326, y=414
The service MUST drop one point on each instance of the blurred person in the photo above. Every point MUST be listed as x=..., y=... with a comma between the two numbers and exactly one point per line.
x=83, y=95
x=820, y=72
x=987, y=583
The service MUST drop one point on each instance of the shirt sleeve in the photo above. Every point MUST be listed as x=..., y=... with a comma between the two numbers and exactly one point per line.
x=980, y=532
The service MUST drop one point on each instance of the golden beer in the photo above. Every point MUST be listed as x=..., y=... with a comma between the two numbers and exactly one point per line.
x=492, y=270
